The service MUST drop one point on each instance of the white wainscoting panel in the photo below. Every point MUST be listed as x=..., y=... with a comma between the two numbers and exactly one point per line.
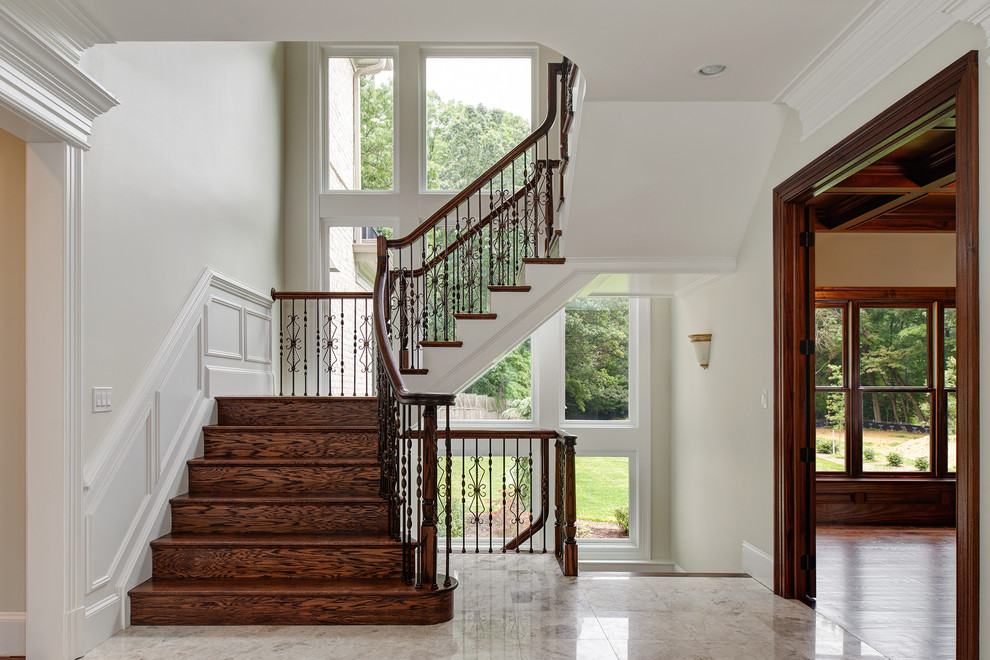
x=12, y=631
x=223, y=329
x=257, y=337
x=218, y=345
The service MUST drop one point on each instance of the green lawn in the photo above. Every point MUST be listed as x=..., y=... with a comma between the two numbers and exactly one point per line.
x=602, y=485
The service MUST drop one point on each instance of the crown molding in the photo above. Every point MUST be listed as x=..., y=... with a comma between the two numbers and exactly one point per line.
x=39, y=84
x=881, y=38
x=62, y=25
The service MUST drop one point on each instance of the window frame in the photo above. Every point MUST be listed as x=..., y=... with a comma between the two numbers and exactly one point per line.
x=636, y=308
x=853, y=300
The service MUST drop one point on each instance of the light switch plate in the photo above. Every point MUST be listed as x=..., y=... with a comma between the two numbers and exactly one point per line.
x=102, y=399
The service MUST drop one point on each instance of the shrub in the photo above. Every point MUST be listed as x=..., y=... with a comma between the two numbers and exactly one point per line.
x=922, y=464
x=870, y=454
x=895, y=459
x=622, y=517
x=823, y=446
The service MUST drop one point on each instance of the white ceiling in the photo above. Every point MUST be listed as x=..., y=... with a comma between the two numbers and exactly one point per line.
x=630, y=50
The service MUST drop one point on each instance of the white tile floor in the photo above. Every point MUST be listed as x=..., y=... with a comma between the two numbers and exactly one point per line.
x=520, y=606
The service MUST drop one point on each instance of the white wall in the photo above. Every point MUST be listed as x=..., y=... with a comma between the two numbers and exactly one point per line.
x=723, y=439
x=660, y=428
x=12, y=393
x=681, y=177
x=887, y=259
x=184, y=174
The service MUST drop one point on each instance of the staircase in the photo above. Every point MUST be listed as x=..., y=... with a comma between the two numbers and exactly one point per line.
x=284, y=524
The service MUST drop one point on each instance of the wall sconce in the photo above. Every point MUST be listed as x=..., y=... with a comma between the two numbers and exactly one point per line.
x=702, y=345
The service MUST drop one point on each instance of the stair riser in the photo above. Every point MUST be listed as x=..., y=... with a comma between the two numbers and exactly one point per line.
x=284, y=480
x=222, y=443
x=295, y=411
x=262, y=518
x=255, y=562
x=275, y=609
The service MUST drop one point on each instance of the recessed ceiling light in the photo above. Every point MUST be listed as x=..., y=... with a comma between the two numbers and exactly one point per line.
x=710, y=70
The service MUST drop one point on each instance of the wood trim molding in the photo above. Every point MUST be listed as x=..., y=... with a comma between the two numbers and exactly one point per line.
x=793, y=302
x=908, y=293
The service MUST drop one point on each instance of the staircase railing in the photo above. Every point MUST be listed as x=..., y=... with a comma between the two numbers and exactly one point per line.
x=442, y=272
x=326, y=344
x=478, y=241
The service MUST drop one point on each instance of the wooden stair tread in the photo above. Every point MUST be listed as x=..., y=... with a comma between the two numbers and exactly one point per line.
x=543, y=260
x=292, y=399
x=247, y=498
x=488, y=316
x=284, y=462
x=282, y=586
x=442, y=344
x=232, y=428
x=510, y=288
x=414, y=372
x=234, y=539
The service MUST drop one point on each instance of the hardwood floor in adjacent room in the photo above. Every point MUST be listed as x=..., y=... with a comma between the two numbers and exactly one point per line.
x=893, y=587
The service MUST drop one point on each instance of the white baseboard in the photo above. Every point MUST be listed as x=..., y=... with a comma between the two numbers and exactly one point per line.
x=12, y=633
x=758, y=564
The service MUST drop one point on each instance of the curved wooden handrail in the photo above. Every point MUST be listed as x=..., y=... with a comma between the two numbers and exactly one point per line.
x=402, y=393
x=476, y=229
x=479, y=183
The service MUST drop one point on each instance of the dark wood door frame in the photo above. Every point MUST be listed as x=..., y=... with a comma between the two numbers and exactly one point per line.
x=794, y=478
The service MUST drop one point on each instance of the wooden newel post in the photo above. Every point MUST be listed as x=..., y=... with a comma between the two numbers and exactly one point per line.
x=428, y=527
x=570, y=509
x=558, y=499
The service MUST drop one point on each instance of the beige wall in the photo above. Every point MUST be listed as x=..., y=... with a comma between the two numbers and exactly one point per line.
x=861, y=259
x=12, y=392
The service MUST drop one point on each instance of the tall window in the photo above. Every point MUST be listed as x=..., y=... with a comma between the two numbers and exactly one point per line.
x=885, y=383
x=477, y=110
x=360, y=133
x=596, y=359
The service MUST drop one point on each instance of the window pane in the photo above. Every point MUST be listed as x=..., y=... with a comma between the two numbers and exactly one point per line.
x=893, y=346
x=896, y=432
x=351, y=257
x=828, y=346
x=950, y=347
x=359, y=123
x=477, y=110
x=830, y=431
x=951, y=408
x=505, y=391
x=602, y=487
x=596, y=359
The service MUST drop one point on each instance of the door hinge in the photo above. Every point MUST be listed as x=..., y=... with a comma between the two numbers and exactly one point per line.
x=807, y=347
x=805, y=455
x=806, y=239
x=807, y=562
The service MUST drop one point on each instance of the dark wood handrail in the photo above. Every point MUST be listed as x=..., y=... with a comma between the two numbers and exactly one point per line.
x=476, y=229
x=479, y=183
x=391, y=366
x=319, y=295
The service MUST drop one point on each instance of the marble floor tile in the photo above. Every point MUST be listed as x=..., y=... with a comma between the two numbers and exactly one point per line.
x=516, y=607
